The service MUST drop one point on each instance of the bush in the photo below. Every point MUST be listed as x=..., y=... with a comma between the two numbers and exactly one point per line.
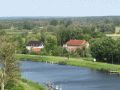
x=84, y=52
x=43, y=52
x=57, y=51
x=34, y=53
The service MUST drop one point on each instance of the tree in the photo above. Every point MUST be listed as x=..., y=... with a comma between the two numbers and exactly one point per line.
x=65, y=34
x=53, y=22
x=68, y=22
x=103, y=49
x=58, y=50
x=8, y=68
x=28, y=25
x=2, y=32
x=117, y=52
x=50, y=44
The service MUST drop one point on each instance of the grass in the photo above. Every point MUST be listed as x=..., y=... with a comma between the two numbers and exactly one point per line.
x=80, y=62
x=28, y=85
x=22, y=84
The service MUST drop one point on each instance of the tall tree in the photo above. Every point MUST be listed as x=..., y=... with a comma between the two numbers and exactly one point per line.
x=8, y=70
x=50, y=44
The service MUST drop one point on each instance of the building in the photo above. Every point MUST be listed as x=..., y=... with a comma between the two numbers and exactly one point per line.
x=117, y=30
x=34, y=46
x=73, y=45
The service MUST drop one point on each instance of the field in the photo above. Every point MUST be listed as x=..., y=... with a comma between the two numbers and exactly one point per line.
x=114, y=36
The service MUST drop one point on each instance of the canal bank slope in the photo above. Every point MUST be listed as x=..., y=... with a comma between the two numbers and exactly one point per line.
x=80, y=62
x=23, y=84
x=28, y=85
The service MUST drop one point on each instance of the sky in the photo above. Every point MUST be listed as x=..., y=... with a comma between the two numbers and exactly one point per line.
x=11, y=8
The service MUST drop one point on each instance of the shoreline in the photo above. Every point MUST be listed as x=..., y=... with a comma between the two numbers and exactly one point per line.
x=79, y=62
x=27, y=84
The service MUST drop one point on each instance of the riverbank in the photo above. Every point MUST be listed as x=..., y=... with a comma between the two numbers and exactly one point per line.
x=23, y=84
x=28, y=85
x=80, y=62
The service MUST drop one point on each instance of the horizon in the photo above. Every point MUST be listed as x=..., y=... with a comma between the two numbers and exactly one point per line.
x=57, y=16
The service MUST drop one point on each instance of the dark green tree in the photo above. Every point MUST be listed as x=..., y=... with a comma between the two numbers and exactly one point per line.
x=53, y=22
x=103, y=49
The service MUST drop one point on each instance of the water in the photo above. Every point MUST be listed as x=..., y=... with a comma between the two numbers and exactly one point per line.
x=69, y=77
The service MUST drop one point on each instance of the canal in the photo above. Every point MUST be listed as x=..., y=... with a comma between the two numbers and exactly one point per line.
x=69, y=77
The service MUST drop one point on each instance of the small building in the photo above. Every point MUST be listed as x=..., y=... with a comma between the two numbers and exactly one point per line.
x=73, y=45
x=34, y=46
x=117, y=30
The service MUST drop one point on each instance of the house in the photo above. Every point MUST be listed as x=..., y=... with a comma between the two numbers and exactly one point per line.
x=34, y=46
x=73, y=45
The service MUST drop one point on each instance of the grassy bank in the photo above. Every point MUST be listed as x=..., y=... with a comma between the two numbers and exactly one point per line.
x=80, y=62
x=24, y=85
x=28, y=85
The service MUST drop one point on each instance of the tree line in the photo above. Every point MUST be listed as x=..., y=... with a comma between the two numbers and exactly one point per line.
x=54, y=32
x=106, y=50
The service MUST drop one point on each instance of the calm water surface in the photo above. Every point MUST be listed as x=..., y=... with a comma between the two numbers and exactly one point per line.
x=69, y=77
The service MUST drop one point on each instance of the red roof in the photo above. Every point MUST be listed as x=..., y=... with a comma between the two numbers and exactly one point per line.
x=76, y=42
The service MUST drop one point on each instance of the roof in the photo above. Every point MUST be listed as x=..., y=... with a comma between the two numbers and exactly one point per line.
x=35, y=43
x=76, y=42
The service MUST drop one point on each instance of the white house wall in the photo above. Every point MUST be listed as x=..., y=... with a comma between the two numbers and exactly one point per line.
x=30, y=47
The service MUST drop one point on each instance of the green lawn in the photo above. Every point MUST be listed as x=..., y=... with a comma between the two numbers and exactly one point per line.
x=80, y=62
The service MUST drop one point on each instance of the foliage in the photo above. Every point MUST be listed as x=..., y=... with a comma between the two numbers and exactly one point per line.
x=43, y=52
x=83, y=52
x=33, y=85
x=14, y=86
x=2, y=32
x=54, y=32
x=50, y=44
x=53, y=22
x=9, y=68
x=24, y=85
x=105, y=49
x=80, y=33
x=20, y=44
x=57, y=51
